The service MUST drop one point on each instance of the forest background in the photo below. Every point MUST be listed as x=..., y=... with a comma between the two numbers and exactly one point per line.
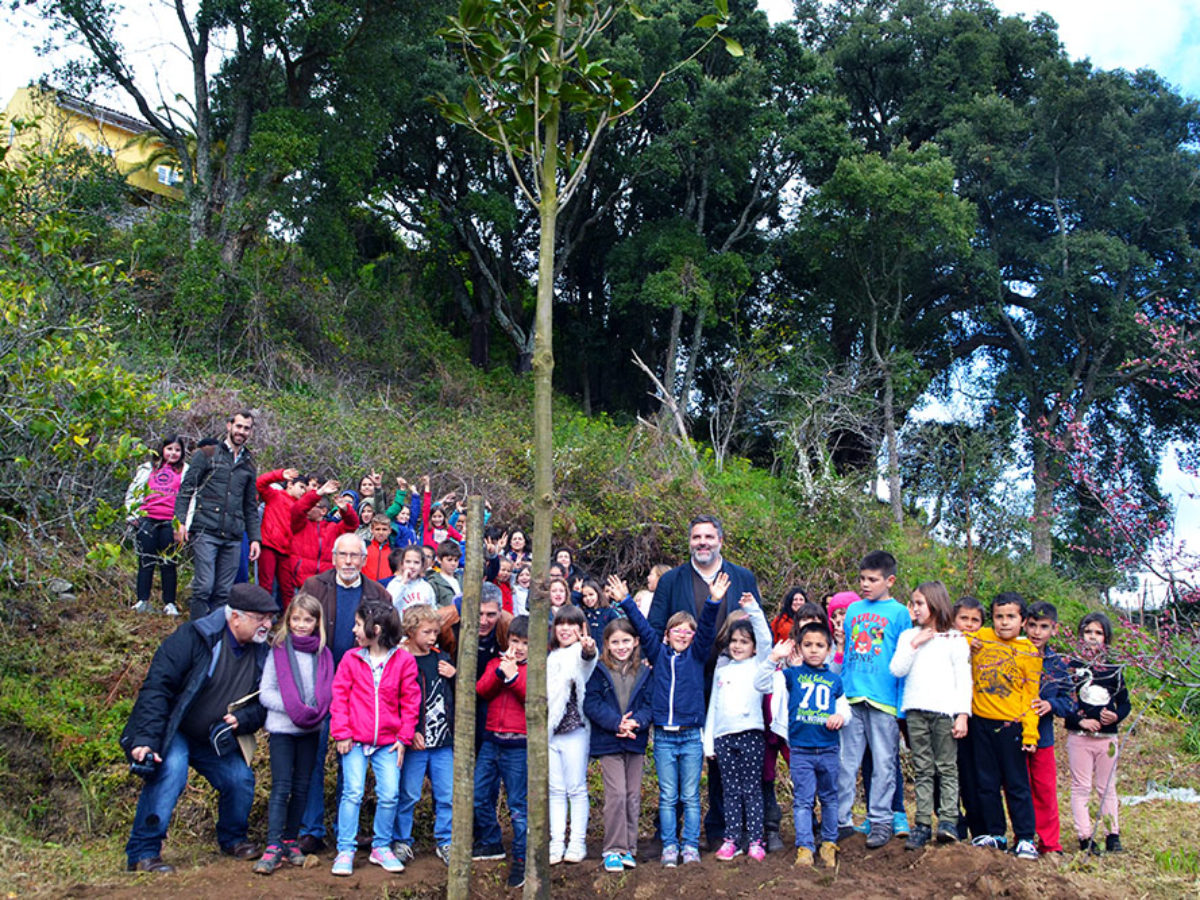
x=877, y=210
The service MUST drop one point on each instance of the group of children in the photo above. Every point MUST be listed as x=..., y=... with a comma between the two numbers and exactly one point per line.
x=975, y=702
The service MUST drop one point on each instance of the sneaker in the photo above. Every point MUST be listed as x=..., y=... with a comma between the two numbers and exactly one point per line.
x=171, y=609
x=986, y=840
x=947, y=833
x=804, y=856
x=1026, y=850
x=575, y=854
x=879, y=836
x=828, y=852
x=612, y=862
x=516, y=873
x=385, y=859
x=271, y=860
x=846, y=831
x=691, y=855
x=670, y=856
x=488, y=851
x=556, y=854
x=403, y=851
x=310, y=844
x=442, y=851
x=774, y=842
x=921, y=835
x=1112, y=844
x=292, y=854
x=757, y=851
x=727, y=851
x=864, y=827
x=628, y=861
x=343, y=863
x=142, y=606
x=900, y=824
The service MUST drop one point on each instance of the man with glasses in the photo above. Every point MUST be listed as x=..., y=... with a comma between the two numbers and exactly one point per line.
x=339, y=591
x=182, y=720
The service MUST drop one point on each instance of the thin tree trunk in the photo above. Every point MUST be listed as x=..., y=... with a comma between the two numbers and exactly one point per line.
x=689, y=374
x=1043, y=504
x=672, y=361
x=458, y=885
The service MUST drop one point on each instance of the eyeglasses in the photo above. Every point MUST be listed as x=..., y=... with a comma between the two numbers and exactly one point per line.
x=346, y=554
x=260, y=618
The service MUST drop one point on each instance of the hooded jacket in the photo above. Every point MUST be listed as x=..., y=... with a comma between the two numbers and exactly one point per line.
x=226, y=499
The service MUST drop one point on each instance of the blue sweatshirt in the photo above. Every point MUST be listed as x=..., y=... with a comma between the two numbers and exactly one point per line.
x=872, y=628
x=678, y=678
x=1055, y=690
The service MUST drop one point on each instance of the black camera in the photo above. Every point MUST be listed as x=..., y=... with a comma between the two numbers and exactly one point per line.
x=147, y=767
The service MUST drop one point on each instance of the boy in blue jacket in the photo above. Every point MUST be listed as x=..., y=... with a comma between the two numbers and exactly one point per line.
x=872, y=626
x=1054, y=699
x=678, y=710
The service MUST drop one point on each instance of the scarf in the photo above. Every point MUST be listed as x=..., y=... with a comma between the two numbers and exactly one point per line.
x=286, y=668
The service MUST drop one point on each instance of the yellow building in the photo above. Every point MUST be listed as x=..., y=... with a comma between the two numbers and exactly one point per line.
x=63, y=120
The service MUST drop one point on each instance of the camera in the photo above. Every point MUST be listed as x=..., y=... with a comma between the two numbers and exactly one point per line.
x=147, y=767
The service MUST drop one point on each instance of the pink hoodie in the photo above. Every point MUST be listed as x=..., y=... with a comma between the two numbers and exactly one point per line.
x=368, y=713
x=840, y=600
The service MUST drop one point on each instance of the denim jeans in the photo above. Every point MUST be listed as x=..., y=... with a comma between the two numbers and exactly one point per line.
x=230, y=775
x=215, y=566
x=880, y=730
x=293, y=757
x=499, y=763
x=312, y=820
x=678, y=757
x=815, y=777
x=354, y=780
x=439, y=765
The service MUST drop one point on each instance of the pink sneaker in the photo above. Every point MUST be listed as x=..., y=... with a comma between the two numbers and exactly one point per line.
x=728, y=851
x=757, y=851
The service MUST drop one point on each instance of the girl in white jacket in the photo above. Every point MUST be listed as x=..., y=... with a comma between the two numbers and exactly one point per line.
x=570, y=664
x=935, y=662
x=733, y=729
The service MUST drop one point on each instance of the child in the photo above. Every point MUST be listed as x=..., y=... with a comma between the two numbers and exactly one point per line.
x=434, y=526
x=935, y=663
x=872, y=628
x=1005, y=671
x=150, y=503
x=407, y=587
x=432, y=751
x=1102, y=702
x=503, y=580
x=444, y=580
x=968, y=619
x=378, y=567
x=733, y=730
x=372, y=718
x=502, y=753
x=618, y=704
x=296, y=690
x=277, y=530
x=560, y=593
x=313, y=535
x=835, y=611
x=594, y=603
x=816, y=710
x=645, y=596
x=1054, y=699
x=521, y=582
x=678, y=711
x=570, y=664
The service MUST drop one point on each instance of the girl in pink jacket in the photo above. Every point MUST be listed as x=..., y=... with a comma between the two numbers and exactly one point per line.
x=376, y=699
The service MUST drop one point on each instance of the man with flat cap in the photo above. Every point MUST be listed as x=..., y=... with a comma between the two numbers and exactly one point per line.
x=182, y=719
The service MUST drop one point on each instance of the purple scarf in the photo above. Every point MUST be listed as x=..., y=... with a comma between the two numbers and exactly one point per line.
x=302, y=715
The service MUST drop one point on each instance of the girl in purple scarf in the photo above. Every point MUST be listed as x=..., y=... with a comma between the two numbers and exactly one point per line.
x=297, y=685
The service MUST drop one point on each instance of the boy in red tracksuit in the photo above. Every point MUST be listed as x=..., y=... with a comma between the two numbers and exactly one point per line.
x=277, y=530
x=313, y=535
x=377, y=567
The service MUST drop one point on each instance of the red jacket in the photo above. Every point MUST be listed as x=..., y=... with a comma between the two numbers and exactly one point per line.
x=311, y=551
x=377, y=567
x=361, y=712
x=505, y=594
x=506, y=702
x=277, y=517
x=429, y=537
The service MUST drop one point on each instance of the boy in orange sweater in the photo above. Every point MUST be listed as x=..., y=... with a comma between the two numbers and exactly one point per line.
x=1005, y=672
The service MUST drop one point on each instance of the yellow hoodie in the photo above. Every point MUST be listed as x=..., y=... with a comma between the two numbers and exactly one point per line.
x=1005, y=677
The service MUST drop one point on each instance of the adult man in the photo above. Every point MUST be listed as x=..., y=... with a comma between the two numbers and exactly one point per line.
x=339, y=591
x=686, y=588
x=195, y=675
x=221, y=478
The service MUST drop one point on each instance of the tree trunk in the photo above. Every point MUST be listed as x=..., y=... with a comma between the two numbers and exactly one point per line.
x=689, y=374
x=893, y=449
x=672, y=361
x=458, y=885
x=1043, y=503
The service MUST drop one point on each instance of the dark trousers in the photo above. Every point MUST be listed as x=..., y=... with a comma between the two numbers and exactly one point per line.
x=215, y=564
x=740, y=758
x=293, y=757
x=1000, y=765
x=154, y=538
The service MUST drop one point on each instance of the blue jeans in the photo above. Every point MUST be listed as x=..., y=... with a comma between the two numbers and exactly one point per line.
x=230, y=775
x=499, y=763
x=881, y=731
x=815, y=777
x=293, y=757
x=678, y=757
x=439, y=765
x=312, y=820
x=215, y=565
x=354, y=781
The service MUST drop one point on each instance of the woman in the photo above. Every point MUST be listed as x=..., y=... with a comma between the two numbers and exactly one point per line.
x=151, y=501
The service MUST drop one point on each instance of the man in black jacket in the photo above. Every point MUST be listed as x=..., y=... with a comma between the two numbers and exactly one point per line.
x=195, y=675
x=221, y=479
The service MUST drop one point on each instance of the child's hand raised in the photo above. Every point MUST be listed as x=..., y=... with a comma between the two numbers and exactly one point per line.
x=588, y=644
x=328, y=488
x=720, y=587
x=746, y=600
x=616, y=589
x=782, y=650
x=291, y=474
x=508, y=664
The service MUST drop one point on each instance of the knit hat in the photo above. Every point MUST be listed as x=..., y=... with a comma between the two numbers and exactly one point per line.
x=251, y=598
x=840, y=600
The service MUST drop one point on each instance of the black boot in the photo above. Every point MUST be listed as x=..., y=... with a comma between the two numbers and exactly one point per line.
x=1112, y=844
x=918, y=837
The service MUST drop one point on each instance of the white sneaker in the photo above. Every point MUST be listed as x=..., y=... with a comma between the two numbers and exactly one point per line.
x=575, y=854
x=141, y=606
x=556, y=854
x=171, y=609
